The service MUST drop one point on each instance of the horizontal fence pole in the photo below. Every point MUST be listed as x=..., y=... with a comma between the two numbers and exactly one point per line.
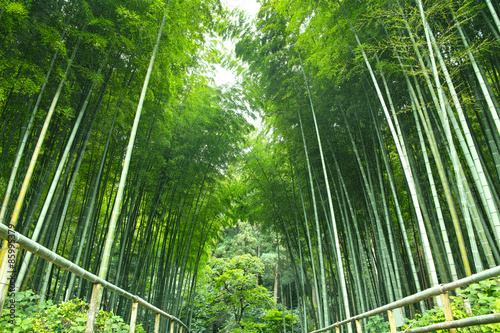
x=467, y=322
x=420, y=296
x=41, y=251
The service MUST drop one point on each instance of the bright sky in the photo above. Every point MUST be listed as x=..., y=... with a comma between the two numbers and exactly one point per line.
x=222, y=76
x=251, y=7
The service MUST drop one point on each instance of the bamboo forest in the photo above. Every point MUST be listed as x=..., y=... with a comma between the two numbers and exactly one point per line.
x=345, y=179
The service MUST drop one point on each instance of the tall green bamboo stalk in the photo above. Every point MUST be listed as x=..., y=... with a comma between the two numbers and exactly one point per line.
x=340, y=265
x=105, y=261
x=24, y=188
x=321, y=309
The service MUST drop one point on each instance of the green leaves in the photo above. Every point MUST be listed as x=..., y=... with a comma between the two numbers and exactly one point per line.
x=377, y=324
x=482, y=296
x=233, y=293
x=67, y=317
x=12, y=12
x=273, y=320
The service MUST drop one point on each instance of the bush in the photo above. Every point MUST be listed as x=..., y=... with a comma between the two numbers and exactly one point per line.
x=273, y=320
x=47, y=317
x=377, y=324
x=25, y=309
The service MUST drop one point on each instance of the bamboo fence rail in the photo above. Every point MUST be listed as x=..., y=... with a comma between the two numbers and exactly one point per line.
x=441, y=290
x=14, y=237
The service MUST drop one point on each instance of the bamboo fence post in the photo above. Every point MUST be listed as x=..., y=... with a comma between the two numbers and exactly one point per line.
x=133, y=316
x=180, y=329
x=94, y=304
x=172, y=325
x=448, y=313
x=392, y=323
x=157, y=323
x=337, y=329
x=358, y=326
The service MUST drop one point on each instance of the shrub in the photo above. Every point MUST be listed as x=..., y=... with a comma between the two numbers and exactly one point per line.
x=70, y=316
x=377, y=324
x=274, y=321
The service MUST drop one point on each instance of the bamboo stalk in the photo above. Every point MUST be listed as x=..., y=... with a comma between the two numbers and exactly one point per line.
x=340, y=265
x=106, y=256
x=53, y=187
x=400, y=147
x=24, y=140
x=27, y=178
x=315, y=293
x=493, y=14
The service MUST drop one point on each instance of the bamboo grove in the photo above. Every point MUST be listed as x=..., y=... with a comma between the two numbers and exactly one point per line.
x=383, y=129
x=378, y=167
x=72, y=73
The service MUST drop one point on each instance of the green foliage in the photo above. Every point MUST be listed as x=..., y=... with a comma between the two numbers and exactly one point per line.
x=432, y=316
x=477, y=299
x=484, y=298
x=70, y=316
x=25, y=307
x=377, y=324
x=274, y=321
x=250, y=326
x=235, y=285
x=239, y=240
x=231, y=297
x=190, y=134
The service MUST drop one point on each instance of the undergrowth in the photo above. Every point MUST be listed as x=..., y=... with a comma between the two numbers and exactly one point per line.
x=30, y=315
